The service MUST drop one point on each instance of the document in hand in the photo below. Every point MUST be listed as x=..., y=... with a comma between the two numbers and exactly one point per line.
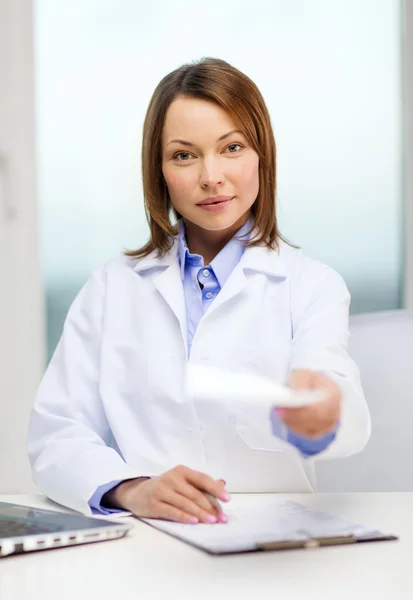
x=212, y=383
x=261, y=522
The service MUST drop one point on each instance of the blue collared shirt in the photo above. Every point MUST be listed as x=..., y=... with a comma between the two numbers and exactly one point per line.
x=201, y=285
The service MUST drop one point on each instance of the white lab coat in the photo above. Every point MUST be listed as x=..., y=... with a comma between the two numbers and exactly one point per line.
x=111, y=404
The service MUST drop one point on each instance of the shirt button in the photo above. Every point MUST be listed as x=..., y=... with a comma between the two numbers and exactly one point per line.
x=205, y=273
x=209, y=295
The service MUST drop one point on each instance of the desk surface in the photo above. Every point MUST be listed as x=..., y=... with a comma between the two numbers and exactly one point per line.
x=149, y=564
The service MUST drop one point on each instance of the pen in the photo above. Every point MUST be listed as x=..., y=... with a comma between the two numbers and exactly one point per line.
x=214, y=501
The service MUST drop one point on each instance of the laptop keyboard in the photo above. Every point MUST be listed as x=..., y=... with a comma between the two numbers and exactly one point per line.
x=13, y=528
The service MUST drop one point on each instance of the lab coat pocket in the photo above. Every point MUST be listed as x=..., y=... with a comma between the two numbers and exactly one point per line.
x=253, y=425
x=253, y=419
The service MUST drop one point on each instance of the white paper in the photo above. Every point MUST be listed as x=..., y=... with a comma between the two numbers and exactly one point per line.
x=205, y=382
x=256, y=520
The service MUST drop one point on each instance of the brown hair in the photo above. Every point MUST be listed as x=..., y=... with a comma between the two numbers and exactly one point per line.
x=215, y=80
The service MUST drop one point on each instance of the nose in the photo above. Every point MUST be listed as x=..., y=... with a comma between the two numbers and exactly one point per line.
x=211, y=176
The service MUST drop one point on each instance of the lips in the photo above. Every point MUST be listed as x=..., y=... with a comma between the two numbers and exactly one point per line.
x=214, y=200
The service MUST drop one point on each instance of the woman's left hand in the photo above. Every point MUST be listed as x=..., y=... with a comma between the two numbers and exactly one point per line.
x=319, y=419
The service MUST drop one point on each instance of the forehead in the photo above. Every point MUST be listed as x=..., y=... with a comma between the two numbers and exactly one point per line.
x=195, y=118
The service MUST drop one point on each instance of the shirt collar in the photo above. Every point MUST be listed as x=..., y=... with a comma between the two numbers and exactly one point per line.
x=258, y=258
x=185, y=257
x=224, y=262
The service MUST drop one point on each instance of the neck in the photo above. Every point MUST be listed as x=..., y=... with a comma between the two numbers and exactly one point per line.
x=209, y=244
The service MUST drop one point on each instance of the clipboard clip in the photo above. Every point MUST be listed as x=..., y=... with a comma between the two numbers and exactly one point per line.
x=307, y=543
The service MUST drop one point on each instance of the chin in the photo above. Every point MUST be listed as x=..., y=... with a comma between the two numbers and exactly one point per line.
x=216, y=221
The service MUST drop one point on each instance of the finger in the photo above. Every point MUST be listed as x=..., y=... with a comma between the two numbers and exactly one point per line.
x=302, y=379
x=204, y=482
x=313, y=431
x=311, y=422
x=310, y=380
x=173, y=513
x=198, y=481
x=187, y=505
x=315, y=414
x=197, y=497
x=178, y=481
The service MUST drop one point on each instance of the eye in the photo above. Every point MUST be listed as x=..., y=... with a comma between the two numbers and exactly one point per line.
x=234, y=148
x=182, y=156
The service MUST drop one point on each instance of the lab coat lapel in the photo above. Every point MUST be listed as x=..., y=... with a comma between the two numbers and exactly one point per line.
x=259, y=259
x=233, y=286
x=166, y=278
x=169, y=285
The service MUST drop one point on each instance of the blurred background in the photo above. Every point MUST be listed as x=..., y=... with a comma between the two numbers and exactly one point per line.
x=75, y=80
x=330, y=73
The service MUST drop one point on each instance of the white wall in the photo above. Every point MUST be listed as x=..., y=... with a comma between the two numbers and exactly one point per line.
x=408, y=147
x=21, y=307
x=330, y=73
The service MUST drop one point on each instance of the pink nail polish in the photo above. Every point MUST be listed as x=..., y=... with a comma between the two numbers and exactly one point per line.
x=193, y=520
x=280, y=412
x=211, y=519
x=223, y=518
x=225, y=497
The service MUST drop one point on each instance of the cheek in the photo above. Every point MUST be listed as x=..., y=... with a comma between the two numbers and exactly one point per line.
x=248, y=176
x=178, y=180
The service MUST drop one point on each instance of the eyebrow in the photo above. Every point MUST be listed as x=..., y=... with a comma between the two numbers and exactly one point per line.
x=223, y=137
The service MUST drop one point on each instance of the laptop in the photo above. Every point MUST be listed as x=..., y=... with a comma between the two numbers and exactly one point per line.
x=27, y=529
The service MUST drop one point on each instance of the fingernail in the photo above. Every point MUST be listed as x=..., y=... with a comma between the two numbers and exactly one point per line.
x=280, y=412
x=225, y=497
x=211, y=519
x=223, y=481
x=193, y=520
x=222, y=518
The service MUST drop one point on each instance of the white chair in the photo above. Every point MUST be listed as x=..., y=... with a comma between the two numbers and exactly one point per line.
x=382, y=346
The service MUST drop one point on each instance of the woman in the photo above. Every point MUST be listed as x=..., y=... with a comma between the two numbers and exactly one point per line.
x=111, y=427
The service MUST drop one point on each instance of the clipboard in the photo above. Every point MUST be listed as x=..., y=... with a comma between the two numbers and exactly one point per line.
x=283, y=545
x=320, y=542
x=262, y=524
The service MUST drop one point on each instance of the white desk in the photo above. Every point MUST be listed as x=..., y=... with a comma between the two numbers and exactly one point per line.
x=148, y=564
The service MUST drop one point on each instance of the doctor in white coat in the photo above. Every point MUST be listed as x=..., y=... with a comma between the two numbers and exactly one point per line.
x=216, y=284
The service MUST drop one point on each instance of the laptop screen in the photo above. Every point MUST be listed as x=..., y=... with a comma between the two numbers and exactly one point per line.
x=50, y=520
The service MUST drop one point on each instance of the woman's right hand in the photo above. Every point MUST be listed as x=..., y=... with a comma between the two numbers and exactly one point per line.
x=177, y=495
